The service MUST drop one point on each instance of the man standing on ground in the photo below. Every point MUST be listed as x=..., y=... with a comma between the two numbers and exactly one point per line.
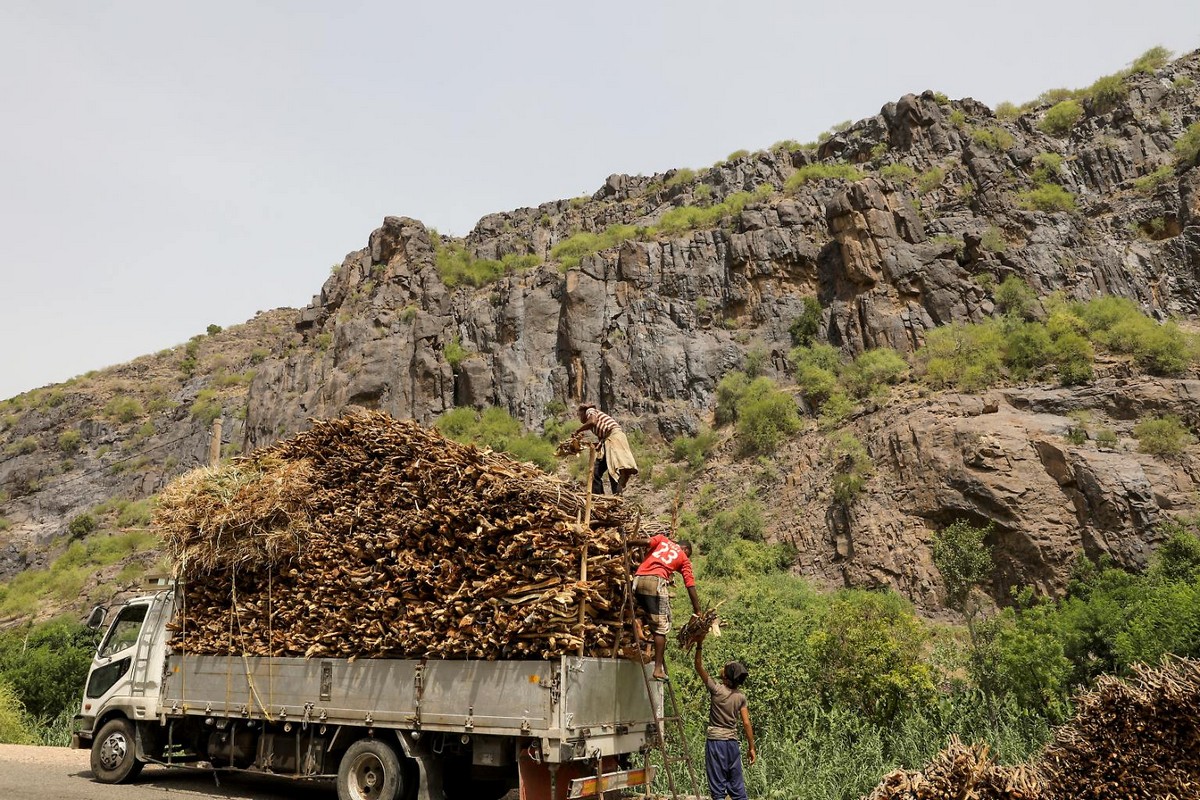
x=614, y=456
x=651, y=588
x=722, y=752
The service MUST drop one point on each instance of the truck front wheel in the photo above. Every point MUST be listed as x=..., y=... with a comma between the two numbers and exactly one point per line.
x=114, y=752
x=370, y=770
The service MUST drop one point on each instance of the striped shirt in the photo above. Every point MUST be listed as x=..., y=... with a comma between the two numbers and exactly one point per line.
x=604, y=424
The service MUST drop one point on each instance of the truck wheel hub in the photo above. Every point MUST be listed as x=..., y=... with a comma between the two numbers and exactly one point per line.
x=113, y=751
x=367, y=775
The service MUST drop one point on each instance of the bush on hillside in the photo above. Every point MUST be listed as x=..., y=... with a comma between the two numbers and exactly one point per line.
x=819, y=172
x=804, y=327
x=494, y=427
x=1187, y=146
x=872, y=371
x=1047, y=197
x=1061, y=117
x=967, y=357
x=1163, y=436
x=695, y=450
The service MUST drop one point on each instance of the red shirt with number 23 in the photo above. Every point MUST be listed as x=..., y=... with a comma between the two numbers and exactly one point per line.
x=667, y=557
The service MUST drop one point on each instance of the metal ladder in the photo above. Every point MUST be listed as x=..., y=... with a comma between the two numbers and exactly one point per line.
x=663, y=737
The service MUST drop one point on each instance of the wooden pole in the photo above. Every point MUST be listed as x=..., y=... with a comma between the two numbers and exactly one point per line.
x=214, y=445
x=586, y=529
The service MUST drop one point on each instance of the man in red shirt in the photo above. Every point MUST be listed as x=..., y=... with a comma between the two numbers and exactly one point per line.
x=650, y=588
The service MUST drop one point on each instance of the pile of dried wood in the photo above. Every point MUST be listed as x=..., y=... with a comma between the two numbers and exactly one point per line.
x=960, y=773
x=1137, y=738
x=368, y=537
x=1133, y=738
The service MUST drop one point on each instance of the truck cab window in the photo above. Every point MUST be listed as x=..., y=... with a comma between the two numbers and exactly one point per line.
x=124, y=631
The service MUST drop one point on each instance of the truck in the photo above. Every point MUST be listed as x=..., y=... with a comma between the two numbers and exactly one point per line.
x=381, y=729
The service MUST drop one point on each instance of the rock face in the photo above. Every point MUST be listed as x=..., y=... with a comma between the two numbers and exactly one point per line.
x=647, y=326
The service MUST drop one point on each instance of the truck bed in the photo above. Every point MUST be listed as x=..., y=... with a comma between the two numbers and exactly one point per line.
x=575, y=706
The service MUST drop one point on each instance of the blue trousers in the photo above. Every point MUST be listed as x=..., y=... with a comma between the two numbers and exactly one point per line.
x=723, y=763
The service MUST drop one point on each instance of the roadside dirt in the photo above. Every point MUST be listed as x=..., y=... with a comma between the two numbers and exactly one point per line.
x=51, y=773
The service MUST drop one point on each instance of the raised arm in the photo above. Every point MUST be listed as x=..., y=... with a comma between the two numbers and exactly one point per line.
x=694, y=598
x=749, y=734
x=699, y=661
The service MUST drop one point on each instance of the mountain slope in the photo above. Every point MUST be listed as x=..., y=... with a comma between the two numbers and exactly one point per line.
x=644, y=295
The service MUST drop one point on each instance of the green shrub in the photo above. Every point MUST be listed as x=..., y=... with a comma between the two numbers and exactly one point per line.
x=1106, y=438
x=15, y=727
x=44, y=666
x=495, y=428
x=455, y=352
x=213, y=330
x=1163, y=436
x=1073, y=354
x=1027, y=348
x=818, y=172
x=1048, y=197
x=930, y=179
x=22, y=447
x=869, y=647
x=836, y=410
x=1147, y=184
x=1015, y=298
x=1178, y=558
x=853, y=467
x=804, y=327
x=730, y=389
x=1151, y=61
x=457, y=265
x=736, y=154
x=962, y=558
x=994, y=138
x=1107, y=92
x=1007, y=111
x=756, y=361
x=873, y=370
x=136, y=515
x=816, y=371
x=957, y=118
x=81, y=525
x=1187, y=146
x=572, y=250
x=898, y=172
x=1049, y=167
x=765, y=415
x=124, y=409
x=682, y=175
x=992, y=239
x=206, y=407
x=1061, y=117
x=968, y=357
x=695, y=450
x=686, y=218
x=4, y=524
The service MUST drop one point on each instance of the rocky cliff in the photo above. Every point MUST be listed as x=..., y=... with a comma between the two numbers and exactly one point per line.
x=643, y=295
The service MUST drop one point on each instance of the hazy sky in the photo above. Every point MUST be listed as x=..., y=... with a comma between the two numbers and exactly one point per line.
x=165, y=165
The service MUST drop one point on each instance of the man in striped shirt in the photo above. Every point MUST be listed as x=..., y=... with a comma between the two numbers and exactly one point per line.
x=615, y=456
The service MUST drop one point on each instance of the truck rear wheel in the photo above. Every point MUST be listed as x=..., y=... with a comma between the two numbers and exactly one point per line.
x=114, y=752
x=370, y=770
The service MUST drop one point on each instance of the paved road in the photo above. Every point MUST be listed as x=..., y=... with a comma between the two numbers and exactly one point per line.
x=56, y=773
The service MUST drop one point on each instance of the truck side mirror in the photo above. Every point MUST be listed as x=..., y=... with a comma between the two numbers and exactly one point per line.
x=96, y=618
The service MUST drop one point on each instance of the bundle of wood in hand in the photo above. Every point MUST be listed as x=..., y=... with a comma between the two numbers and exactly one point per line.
x=1135, y=738
x=960, y=772
x=369, y=537
x=696, y=628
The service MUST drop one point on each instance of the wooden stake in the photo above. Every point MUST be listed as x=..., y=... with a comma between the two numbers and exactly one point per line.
x=214, y=446
x=583, y=554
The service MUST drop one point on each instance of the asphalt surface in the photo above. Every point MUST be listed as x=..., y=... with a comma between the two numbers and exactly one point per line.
x=57, y=773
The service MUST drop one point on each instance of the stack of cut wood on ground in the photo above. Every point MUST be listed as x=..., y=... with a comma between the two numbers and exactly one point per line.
x=370, y=537
x=1134, y=739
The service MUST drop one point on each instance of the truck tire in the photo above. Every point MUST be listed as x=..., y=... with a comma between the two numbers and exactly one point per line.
x=371, y=770
x=114, y=752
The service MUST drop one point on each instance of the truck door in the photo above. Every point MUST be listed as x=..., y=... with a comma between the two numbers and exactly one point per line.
x=114, y=659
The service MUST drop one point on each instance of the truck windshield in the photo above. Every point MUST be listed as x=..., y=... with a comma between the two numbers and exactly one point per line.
x=124, y=630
